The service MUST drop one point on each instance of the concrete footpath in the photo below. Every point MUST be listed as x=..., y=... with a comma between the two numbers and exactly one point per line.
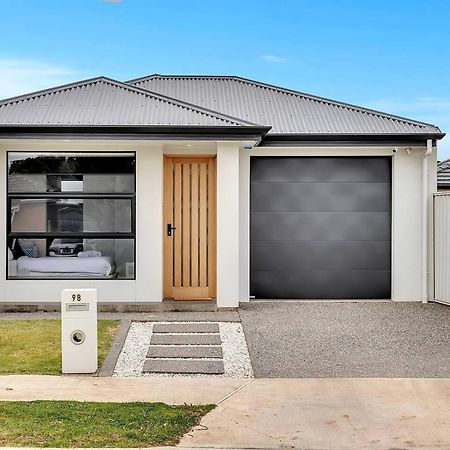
x=315, y=413
x=177, y=390
x=330, y=414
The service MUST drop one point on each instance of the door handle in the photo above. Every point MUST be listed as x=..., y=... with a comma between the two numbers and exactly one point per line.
x=169, y=229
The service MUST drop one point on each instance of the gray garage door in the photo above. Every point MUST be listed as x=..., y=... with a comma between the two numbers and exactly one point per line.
x=320, y=228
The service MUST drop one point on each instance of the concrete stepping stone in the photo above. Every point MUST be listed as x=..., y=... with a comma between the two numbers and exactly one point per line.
x=184, y=366
x=185, y=339
x=186, y=328
x=164, y=351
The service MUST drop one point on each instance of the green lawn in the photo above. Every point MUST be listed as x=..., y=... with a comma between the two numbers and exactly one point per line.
x=89, y=424
x=34, y=346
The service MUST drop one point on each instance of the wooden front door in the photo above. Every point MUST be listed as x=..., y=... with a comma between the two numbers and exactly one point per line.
x=189, y=227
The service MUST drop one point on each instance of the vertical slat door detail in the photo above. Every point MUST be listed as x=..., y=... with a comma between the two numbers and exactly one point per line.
x=175, y=211
x=186, y=224
x=195, y=232
x=203, y=237
x=189, y=248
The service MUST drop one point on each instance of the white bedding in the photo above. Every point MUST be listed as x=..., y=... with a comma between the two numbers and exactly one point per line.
x=100, y=265
x=68, y=275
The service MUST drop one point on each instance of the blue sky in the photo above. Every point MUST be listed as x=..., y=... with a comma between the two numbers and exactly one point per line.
x=388, y=55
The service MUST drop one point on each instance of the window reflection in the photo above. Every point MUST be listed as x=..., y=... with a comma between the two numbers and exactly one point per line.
x=71, y=215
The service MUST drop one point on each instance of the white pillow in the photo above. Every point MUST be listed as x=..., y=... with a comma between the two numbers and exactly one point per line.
x=10, y=255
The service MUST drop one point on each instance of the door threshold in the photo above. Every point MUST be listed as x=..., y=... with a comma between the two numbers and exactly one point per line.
x=169, y=305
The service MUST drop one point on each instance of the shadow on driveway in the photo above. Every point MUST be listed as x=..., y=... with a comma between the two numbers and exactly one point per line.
x=340, y=339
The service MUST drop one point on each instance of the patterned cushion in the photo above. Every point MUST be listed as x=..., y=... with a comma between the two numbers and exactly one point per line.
x=29, y=248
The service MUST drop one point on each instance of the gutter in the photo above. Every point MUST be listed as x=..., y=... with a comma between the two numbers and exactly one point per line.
x=427, y=153
x=332, y=139
x=132, y=132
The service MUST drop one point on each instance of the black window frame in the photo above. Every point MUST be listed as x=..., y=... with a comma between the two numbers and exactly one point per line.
x=70, y=195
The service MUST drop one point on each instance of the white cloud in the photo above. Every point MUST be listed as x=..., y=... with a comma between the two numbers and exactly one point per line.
x=273, y=58
x=22, y=76
x=426, y=109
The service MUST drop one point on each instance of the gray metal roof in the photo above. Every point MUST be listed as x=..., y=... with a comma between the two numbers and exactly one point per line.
x=443, y=173
x=209, y=103
x=105, y=102
x=285, y=110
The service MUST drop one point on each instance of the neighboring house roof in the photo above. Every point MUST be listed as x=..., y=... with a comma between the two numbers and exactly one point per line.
x=286, y=111
x=443, y=173
x=105, y=102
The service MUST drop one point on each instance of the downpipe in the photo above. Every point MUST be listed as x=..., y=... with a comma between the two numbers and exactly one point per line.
x=427, y=153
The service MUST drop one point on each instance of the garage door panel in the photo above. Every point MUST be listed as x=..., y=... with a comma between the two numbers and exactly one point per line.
x=312, y=169
x=329, y=197
x=321, y=284
x=326, y=255
x=320, y=226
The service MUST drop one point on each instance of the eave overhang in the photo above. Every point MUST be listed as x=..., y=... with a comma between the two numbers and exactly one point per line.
x=302, y=140
x=139, y=132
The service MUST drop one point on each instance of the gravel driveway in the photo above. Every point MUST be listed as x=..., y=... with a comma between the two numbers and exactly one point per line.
x=367, y=339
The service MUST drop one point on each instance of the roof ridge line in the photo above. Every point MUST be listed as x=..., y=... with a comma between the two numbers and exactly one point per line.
x=325, y=100
x=354, y=107
x=182, y=103
x=153, y=75
x=213, y=113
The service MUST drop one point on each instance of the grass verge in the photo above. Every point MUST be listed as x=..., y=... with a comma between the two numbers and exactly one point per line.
x=92, y=424
x=34, y=346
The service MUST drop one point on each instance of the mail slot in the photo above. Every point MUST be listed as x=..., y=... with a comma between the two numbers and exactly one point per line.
x=77, y=306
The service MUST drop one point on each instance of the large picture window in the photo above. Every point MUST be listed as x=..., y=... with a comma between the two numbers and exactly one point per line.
x=71, y=215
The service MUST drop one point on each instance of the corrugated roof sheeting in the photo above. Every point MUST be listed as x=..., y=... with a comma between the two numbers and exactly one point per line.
x=103, y=102
x=288, y=112
x=204, y=101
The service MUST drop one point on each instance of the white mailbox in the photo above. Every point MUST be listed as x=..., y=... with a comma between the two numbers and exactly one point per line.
x=79, y=330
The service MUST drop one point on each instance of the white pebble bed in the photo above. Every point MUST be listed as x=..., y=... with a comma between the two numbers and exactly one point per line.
x=236, y=359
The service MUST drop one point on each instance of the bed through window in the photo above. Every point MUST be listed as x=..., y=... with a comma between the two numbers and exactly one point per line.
x=71, y=215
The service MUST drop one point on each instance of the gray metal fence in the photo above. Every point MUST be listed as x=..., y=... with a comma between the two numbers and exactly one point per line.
x=442, y=247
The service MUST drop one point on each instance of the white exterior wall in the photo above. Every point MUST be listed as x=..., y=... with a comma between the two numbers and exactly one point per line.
x=233, y=189
x=149, y=225
x=244, y=224
x=149, y=194
x=228, y=270
x=406, y=212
